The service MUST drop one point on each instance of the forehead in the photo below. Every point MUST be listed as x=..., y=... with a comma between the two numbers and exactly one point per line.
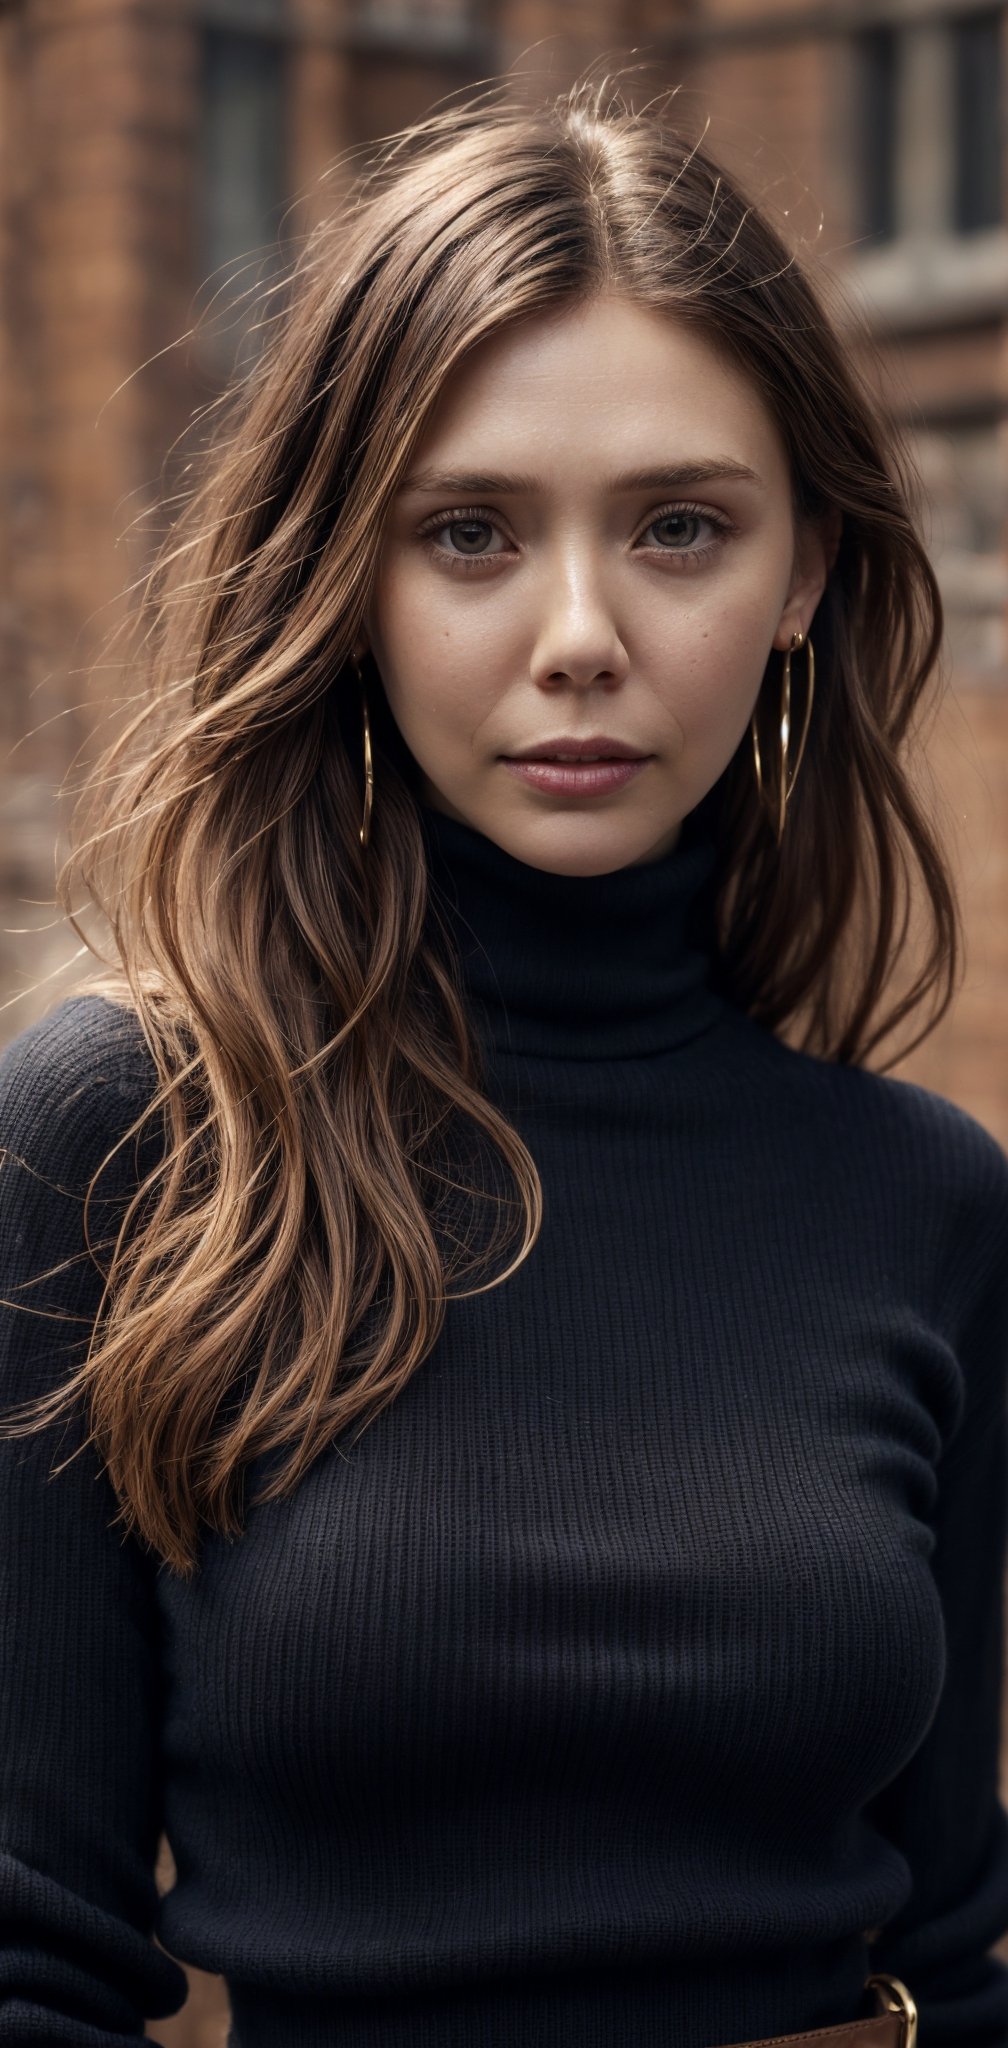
x=606, y=383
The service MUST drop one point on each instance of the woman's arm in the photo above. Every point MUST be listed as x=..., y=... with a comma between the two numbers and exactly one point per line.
x=943, y=1811
x=79, y=1680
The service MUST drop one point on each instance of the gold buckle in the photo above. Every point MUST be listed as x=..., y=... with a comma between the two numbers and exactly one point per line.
x=893, y=1996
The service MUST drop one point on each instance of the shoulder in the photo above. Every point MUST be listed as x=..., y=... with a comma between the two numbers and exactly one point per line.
x=887, y=1123
x=71, y=1082
x=919, y=1159
x=72, y=1086
x=911, y=1127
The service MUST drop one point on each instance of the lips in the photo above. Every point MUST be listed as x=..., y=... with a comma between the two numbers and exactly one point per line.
x=573, y=760
x=577, y=778
x=581, y=750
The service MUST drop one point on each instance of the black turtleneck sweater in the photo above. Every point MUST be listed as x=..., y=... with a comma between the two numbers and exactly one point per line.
x=642, y=1657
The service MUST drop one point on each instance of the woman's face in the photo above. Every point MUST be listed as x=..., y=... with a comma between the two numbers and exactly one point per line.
x=595, y=537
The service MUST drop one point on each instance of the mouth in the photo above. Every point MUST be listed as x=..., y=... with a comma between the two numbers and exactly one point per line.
x=576, y=776
x=598, y=749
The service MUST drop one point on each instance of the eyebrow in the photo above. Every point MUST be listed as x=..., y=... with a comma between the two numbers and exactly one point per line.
x=667, y=478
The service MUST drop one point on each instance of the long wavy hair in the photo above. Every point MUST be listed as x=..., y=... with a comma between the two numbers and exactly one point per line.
x=285, y=1266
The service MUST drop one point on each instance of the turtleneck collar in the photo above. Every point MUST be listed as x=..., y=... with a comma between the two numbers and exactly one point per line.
x=575, y=966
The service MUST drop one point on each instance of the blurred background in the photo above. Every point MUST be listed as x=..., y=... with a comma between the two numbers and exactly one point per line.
x=159, y=160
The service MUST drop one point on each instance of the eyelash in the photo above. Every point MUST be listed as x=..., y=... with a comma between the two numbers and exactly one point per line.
x=467, y=563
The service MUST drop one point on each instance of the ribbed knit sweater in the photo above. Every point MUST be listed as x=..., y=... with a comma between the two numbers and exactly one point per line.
x=643, y=1657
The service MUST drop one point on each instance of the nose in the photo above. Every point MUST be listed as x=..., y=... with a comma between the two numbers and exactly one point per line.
x=578, y=639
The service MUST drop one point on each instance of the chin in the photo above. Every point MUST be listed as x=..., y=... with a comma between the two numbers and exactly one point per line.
x=586, y=852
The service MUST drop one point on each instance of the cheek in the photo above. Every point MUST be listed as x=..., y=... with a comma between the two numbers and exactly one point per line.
x=711, y=680
x=722, y=658
x=411, y=621
x=434, y=665
x=396, y=616
x=440, y=658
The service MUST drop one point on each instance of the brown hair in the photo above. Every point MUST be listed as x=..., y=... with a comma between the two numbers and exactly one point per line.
x=282, y=1270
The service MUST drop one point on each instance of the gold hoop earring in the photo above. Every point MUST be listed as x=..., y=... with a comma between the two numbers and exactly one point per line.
x=787, y=779
x=365, y=830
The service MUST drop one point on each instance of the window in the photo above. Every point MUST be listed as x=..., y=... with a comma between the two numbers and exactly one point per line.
x=420, y=25
x=243, y=14
x=977, y=45
x=243, y=184
x=928, y=126
x=876, y=133
x=412, y=14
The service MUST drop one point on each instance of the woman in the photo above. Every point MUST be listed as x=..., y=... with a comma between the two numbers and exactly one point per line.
x=632, y=1671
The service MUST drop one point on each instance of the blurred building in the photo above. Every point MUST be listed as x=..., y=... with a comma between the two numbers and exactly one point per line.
x=158, y=158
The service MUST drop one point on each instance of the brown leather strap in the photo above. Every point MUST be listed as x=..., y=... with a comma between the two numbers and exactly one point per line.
x=886, y=2031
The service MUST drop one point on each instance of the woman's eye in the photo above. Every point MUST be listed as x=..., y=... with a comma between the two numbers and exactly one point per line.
x=467, y=537
x=680, y=532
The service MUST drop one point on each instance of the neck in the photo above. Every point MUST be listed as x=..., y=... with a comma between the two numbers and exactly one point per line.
x=578, y=966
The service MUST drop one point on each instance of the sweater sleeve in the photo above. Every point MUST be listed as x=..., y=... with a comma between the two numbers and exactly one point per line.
x=943, y=1811
x=79, y=1685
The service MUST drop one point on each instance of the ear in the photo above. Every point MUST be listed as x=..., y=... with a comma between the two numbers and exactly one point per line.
x=816, y=546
